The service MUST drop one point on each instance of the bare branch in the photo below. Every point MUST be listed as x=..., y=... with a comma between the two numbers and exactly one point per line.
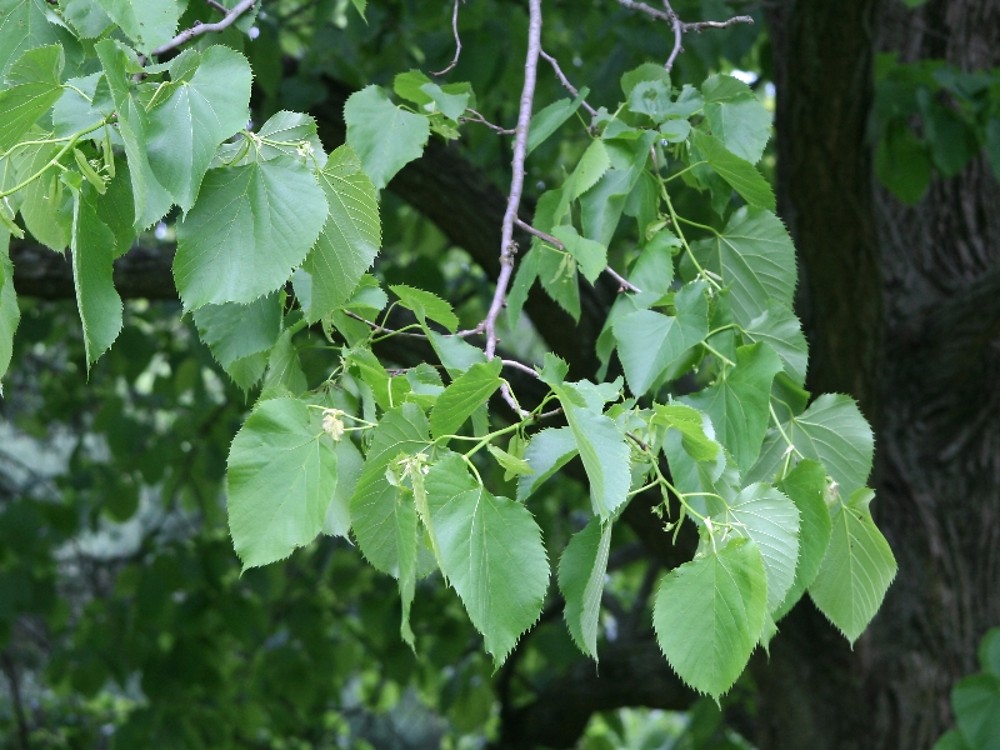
x=623, y=283
x=668, y=15
x=507, y=246
x=205, y=28
x=458, y=42
x=565, y=82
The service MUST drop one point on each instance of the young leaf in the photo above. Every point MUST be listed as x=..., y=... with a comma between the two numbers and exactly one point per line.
x=741, y=175
x=426, y=305
x=492, y=552
x=591, y=257
x=456, y=354
x=709, y=614
x=650, y=344
x=93, y=247
x=468, y=392
x=831, y=431
x=351, y=237
x=384, y=136
x=736, y=116
x=250, y=227
x=582, y=570
x=605, y=454
x=857, y=570
x=547, y=120
x=282, y=473
x=201, y=112
x=756, y=260
x=738, y=402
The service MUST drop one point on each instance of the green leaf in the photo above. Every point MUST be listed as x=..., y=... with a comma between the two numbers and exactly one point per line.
x=651, y=344
x=591, y=167
x=831, y=431
x=602, y=205
x=468, y=392
x=547, y=452
x=736, y=116
x=426, y=305
x=350, y=239
x=738, y=402
x=93, y=247
x=149, y=24
x=603, y=449
x=582, y=570
x=857, y=569
x=709, y=614
x=24, y=26
x=741, y=175
x=976, y=700
x=384, y=136
x=805, y=485
x=989, y=652
x=282, y=473
x=337, y=521
x=36, y=88
x=512, y=465
x=200, y=112
x=387, y=389
x=756, y=259
x=771, y=520
x=456, y=354
x=492, y=553
x=236, y=333
x=591, y=257
x=250, y=227
x=87, y=17
x=295, y=134
x=152, y=200
x=10, y=314
x=47, y=207
x=780, y=329
x=557, y=272
x=547, y=120
x=380, y=517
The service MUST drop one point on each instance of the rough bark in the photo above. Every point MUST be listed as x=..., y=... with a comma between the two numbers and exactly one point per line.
x=903, y=309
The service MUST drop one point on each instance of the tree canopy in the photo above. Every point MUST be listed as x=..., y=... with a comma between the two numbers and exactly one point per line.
x=427, y=362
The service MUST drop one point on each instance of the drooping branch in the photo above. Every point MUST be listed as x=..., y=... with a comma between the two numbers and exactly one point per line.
x=458, y=41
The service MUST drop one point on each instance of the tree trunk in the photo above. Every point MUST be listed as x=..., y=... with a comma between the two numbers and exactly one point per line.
x=902, y=305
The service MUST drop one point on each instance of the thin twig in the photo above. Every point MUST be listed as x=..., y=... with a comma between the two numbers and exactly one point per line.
x=205, y=28
x=478, y=118
x=668, y=15
x=507, y=246
x=458, y=42
x=624, y=283
x=565, y=82
x=514, y=364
